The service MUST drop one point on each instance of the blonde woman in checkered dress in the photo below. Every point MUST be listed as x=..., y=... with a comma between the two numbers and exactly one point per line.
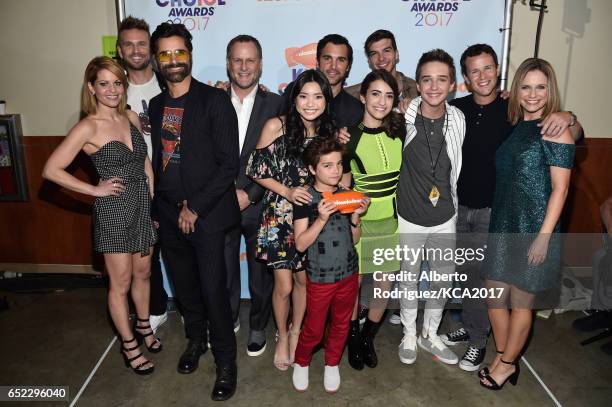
x=123, y=229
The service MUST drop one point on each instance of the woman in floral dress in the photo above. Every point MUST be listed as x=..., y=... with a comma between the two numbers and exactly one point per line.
x=276, y=164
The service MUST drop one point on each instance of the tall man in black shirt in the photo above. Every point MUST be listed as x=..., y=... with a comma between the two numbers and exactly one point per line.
x=194, y=133
x=334, y=60
x=487, y=127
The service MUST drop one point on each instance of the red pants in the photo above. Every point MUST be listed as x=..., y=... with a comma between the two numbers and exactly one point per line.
x=320, y=297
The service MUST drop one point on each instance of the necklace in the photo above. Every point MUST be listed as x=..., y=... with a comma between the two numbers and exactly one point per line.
x=434, y=194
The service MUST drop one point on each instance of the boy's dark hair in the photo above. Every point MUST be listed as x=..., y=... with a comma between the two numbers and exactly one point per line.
x=131, y=23
x=243, y=38
x=437, y=55
x=318, y=147
x=335, y=39
x=474, y=51
x=167, y=30
x=377, y=36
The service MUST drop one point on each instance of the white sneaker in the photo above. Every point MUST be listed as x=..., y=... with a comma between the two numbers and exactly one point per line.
x=158, y=320
x=407, y=351
x=395, y=319
x=434, y=345
x=300, y=377
x=331, y=379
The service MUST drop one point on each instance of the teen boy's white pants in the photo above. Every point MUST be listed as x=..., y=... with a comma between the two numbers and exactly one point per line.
x=435, y=243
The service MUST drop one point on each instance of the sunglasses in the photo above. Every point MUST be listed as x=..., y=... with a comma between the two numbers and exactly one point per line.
x=180, y=55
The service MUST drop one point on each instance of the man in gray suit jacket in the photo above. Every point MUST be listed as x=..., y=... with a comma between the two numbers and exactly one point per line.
x=254, y=107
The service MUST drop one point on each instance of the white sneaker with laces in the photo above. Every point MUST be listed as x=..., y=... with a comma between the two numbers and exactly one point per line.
x=300, y=377
x=331, y=379
x=434, y=345
x=158, y=320
x=407, y=351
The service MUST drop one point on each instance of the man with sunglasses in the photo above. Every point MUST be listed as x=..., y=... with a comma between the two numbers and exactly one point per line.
x=194, y=132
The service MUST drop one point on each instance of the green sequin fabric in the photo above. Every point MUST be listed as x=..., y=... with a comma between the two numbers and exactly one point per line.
x=522, y=189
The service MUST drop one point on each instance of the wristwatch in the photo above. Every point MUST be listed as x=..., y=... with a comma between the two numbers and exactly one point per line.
x=573, y=120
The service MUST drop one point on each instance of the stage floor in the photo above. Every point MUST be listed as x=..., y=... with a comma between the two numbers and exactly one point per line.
x=64, y=338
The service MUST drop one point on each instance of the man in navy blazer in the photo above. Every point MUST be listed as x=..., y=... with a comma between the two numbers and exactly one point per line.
x=254, y=106
x=194, y=133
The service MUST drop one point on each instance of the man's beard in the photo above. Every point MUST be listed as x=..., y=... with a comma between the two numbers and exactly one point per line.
x=141, y=67
x=176, y=77
x=339, y=80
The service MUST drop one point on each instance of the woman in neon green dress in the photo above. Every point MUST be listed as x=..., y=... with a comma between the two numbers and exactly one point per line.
x=372, y=160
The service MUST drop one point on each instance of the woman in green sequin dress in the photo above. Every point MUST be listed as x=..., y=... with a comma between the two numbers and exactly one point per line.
x=532, y=180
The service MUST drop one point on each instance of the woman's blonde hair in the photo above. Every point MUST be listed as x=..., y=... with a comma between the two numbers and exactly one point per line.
x=553, y=102
x=89, y=104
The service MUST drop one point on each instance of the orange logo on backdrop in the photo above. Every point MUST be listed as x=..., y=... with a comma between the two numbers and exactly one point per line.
x=305, y=56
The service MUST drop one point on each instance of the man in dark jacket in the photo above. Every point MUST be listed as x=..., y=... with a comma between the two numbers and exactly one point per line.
x=254, y=106
x=194, y=133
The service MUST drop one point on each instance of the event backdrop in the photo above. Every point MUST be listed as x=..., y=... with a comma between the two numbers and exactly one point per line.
x=289, y=30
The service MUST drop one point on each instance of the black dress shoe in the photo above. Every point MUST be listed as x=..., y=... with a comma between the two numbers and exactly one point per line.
x=189, y=360
x=225, y=384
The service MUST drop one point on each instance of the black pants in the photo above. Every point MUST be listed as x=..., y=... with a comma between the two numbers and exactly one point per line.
x=261, y=280
x=195, y=264
x=158, y=301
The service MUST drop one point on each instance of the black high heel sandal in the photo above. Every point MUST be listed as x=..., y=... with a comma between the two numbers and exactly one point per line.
x=139, y=370
x=513, y=378
x=141, y=337
x=485, y=370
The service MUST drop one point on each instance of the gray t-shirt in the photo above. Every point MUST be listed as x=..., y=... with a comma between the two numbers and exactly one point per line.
x=332, y=257
x=416, y=180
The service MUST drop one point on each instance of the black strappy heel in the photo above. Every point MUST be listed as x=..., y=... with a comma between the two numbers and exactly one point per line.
x=485, y=370
x=139, y=369
x=141, y=337
x=513, y=378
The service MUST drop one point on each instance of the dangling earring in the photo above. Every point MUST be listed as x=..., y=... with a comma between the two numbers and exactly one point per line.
x=93, y=93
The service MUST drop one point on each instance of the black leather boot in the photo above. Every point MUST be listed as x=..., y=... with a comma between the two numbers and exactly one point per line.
x=225, y=384
x=355, y=356
x=367, y=343
x=189, y=360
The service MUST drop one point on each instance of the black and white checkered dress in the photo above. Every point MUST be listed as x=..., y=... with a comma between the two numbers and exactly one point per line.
x=122, y=224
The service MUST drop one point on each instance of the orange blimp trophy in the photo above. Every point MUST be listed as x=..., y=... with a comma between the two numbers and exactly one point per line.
x=346, y=201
